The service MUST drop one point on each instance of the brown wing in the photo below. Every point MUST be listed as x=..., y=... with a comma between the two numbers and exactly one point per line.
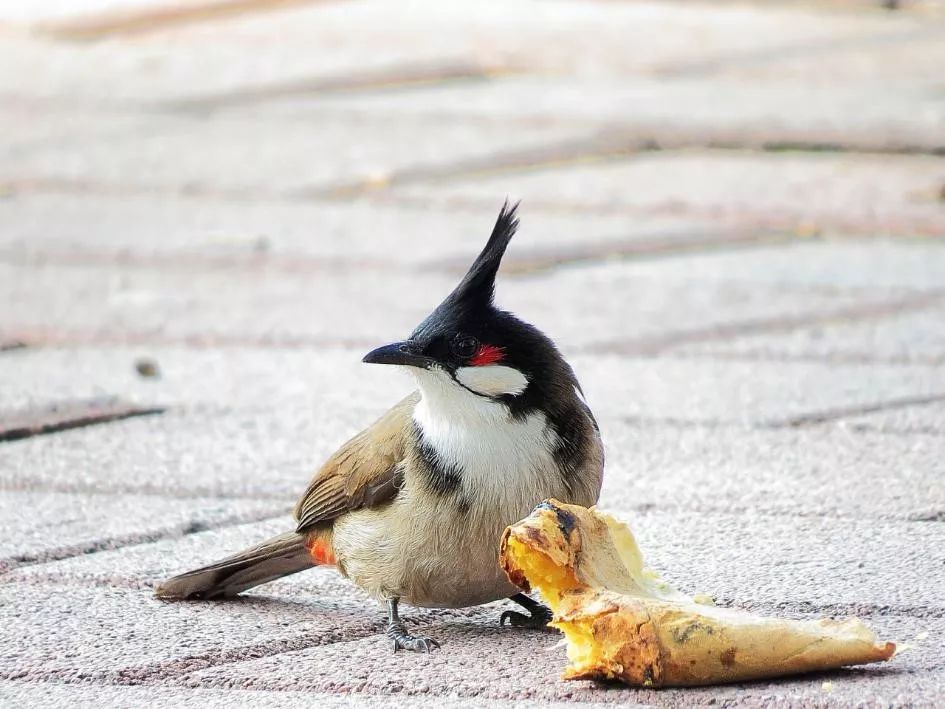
x=364, y=472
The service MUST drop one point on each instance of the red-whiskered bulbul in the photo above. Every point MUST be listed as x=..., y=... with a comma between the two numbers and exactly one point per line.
x=414, y=506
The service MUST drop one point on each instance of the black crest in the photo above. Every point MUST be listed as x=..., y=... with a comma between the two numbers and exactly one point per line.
x=478, y=284
x=473, y=297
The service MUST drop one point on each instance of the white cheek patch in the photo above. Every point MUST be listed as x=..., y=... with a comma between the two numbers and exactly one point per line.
x=492, y=380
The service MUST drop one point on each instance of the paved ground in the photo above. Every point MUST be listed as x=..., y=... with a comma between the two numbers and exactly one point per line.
x=733, y=222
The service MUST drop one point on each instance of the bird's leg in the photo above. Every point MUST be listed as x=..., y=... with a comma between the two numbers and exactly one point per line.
x=398, y=633
x=538, y=617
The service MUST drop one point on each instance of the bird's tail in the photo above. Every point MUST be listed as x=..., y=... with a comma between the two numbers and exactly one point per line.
x=272, y=559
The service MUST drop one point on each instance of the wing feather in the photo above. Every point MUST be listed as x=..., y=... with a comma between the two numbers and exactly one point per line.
x=366, y=471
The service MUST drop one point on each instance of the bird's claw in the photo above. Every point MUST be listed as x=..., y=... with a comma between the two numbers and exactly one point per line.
x=539, y=618
x=417, y=643
x=404, y=640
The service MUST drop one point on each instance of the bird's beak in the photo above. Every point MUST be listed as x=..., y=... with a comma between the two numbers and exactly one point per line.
x=403, y=353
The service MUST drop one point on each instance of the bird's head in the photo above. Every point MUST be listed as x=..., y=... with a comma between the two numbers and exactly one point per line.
x=469, y=345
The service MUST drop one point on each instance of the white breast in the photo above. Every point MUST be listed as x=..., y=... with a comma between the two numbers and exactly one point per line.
x=506, y=462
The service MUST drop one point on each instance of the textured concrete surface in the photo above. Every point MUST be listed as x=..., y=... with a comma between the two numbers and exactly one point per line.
x=801, y=190
x=279, y=235
x=517, y=666
x=775, y=471
x=733, y=223
x=56, y=695
x=911, y=337
x=39, y=526
x=928, y=419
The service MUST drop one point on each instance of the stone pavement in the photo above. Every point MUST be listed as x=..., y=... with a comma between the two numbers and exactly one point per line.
x=733, y=223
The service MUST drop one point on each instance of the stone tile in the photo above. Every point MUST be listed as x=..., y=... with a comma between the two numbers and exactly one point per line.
x=911, y=421
x=141, y=231
x=803, y=44
x=204, y=305
x=754, y=559
x=831, y=266
x=40, y=525
x=94, y=132
x=238, y=52
x=256, y=155
x=527, y=664
x=623, y=302
x=251, y=240
x=47, y=694
x=828, y=471
x=42, y=12
x=770, y=41
x=910, y=337
x=261, y=454
x=738, y=392
x=797, y=564
x=850, y=52
x=811, y=192
x=205, y=380
x=143, y=566
x=728, y=109
x=645, y=307
x=83, y=634
x=719, y=553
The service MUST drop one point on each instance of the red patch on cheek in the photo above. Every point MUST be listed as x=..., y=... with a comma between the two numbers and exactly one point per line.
x=487, y=354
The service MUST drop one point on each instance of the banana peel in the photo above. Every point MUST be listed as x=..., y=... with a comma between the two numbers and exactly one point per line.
x=622, y=622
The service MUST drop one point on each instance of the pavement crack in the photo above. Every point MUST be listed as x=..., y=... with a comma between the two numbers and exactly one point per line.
x=37, y=335
x=145, y=489
x=651, y=346
x=8, y=345
x=807, y=48
x=809, y=608
x=932, y=516
x=156, y=18
x=409, y=76
x=19, y=561
x=755, y=509
x=843, y=358
x=818, y=417
x=833, y=225
x=179, y=671
x=541, y=261
x=162, y=672
x=195, y=261
x=62, y=416
x=621, y=143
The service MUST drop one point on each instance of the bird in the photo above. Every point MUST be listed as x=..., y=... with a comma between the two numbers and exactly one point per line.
x=412, y=509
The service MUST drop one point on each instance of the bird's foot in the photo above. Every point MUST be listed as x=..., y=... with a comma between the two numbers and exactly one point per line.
x=538, y=617
x=404, y=640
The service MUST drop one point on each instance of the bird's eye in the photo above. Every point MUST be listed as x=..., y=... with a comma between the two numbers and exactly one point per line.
x=464, y=346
